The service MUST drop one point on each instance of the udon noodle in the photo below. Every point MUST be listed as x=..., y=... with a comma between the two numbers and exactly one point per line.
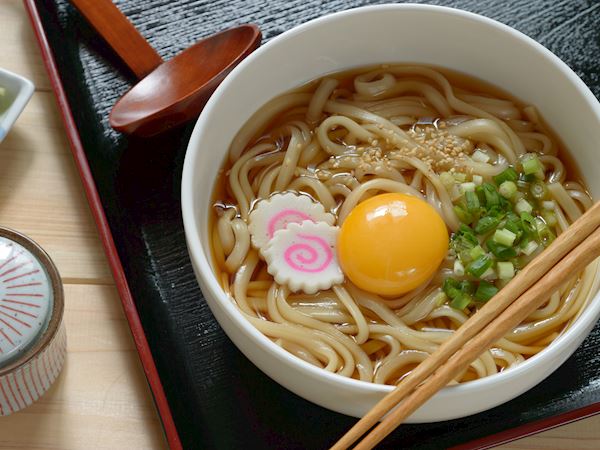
x=347, y=137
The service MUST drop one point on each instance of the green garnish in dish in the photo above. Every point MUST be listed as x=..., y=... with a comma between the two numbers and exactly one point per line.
x=506, y=221
x=3, y=106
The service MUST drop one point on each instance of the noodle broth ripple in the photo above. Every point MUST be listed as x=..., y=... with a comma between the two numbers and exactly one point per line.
x=423, y=132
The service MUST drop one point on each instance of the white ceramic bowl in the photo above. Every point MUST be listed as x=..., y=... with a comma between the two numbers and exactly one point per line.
x=17, y=91
x=384, y=34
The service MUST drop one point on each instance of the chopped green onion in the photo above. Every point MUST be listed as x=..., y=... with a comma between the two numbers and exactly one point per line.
x=472, y=200
x=468, y=186
x=459, y=269
x=532, y=165
x=507, y=189
x=527, y=218
x=502, y=252
x=460, y=177
x=491, y=195
x=466, y=230
x=515, y=226
x=476, y=252
x=466, y=236
x=518, y=196
x=486, y=224
x=477, y=179
x=489, y=274
x=508, y=174
x=463, y=215
x=506, y=270
x=450, y=287
x=523, y=206
x=528, y=227
x=548, y=204
x=467, y=287
x=538, y=190
x=505, y=204
x=479, y=266
x=497, y=211
x=530, y=248
x=454, y=191
x=458, y=292
x=485, y=291
x=447, y=179
x=479, y=156
x=512, y=217
x=440, y=299
x=450, y=283
x=526, y=238
x=504, y=237
x=465, y=257
x=461, y=301
x=480, y=194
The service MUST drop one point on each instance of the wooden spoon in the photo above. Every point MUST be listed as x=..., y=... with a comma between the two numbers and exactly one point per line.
x=172, y=92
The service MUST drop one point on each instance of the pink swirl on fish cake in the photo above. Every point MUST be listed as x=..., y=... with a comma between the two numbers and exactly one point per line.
x=285, y=217
x=300, y=255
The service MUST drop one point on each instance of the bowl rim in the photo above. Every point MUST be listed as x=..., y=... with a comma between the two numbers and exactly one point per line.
x=209, y=282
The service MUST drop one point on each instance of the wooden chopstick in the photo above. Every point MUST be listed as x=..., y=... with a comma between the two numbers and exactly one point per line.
x=527, y=303
x=534, y=271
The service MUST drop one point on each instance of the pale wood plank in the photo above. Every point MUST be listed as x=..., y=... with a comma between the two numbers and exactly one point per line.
x=37, y=167
x=39, y=128
x=41, y=194
x=101, y=399
x=20, y=52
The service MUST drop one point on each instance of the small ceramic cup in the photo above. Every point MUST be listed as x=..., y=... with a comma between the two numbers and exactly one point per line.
x=32, y=334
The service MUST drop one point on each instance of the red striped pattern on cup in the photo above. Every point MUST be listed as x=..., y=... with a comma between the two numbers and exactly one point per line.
x=26, y=384
x=32, y=333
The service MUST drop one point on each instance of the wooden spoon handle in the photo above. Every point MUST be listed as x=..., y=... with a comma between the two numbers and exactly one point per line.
x=120, y=34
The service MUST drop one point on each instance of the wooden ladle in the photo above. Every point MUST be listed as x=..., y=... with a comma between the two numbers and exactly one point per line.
x=172, y=92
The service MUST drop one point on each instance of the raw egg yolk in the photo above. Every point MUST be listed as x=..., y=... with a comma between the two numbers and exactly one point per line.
x=392, y=243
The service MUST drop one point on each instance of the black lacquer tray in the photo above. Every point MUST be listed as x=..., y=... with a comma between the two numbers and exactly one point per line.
x=209, y=395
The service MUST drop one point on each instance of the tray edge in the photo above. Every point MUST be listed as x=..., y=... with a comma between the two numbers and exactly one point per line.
x=530, y=428
x=110, y=250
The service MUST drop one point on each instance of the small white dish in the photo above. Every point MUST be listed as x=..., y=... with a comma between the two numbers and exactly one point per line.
x=15, y=92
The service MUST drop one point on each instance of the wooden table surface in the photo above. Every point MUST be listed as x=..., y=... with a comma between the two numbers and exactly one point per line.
x=101, y=400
